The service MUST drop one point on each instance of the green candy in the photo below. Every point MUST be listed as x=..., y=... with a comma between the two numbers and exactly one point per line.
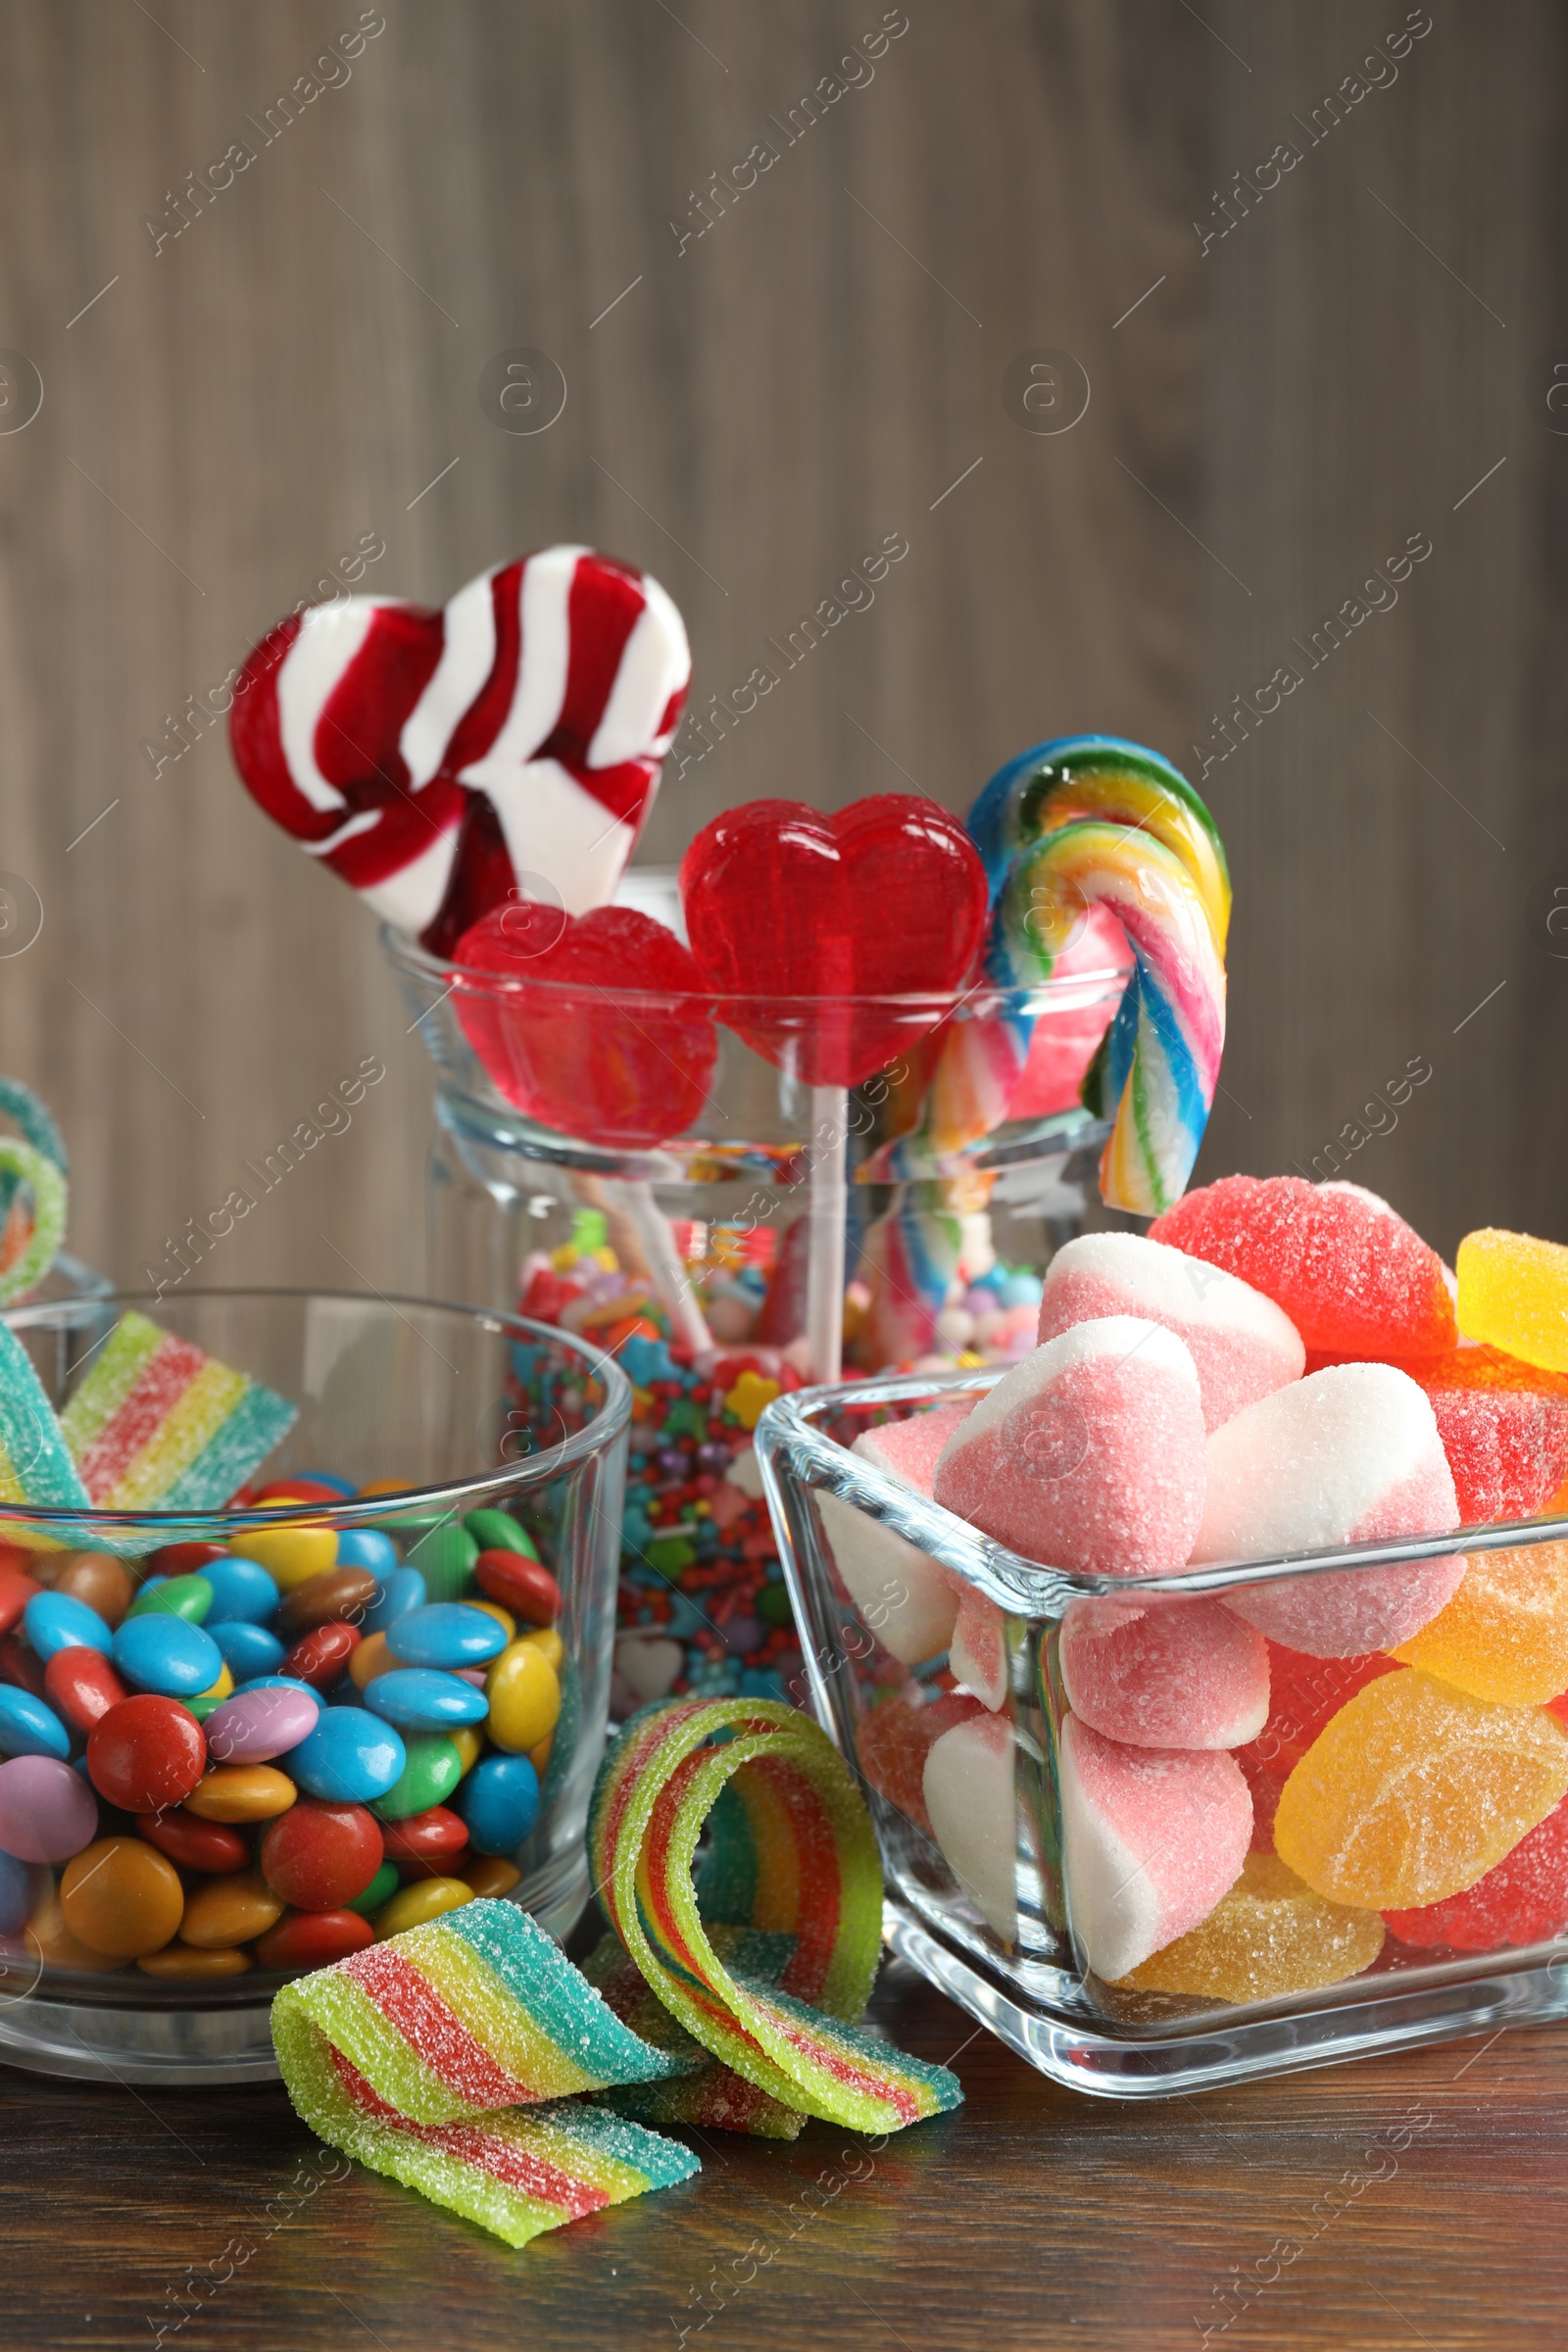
x=187, y=1596
x=498, y=1531
x=773, y=1604
x=201, y=1708
x=433, y=1770
x=445, y=1559
x=382, y=1888
x=670, y=1554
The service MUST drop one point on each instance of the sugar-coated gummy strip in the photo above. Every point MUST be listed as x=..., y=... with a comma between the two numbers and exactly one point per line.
x=35, y=1464
x=157, y=1424
x=36, y=1169
x=116, y=1367
x=36, y=1120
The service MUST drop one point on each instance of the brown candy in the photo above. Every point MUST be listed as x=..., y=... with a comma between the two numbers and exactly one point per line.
x=337, y=1597
x=120, y=1895
x=101, y=1581
x=230, y=1910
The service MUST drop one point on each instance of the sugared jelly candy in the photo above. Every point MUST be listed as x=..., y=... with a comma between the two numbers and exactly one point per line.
x=1505, y=1429
x=1270, y=1935
x=1351, y=1274
x=1345, y=1457
x=1165, y=1673
x=1503, y=1637
x=1414, y=1792
x=1305, y=1693
x=1513, y=1291
x=1242, y=1344
x=1089, y=1455
x=1152, y=1838
x=967, y=1783
x=1523, y=1900
x=894, y=1738
x=904, y=1594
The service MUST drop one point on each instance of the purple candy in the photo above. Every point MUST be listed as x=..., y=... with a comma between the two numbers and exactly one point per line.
x=47, y=1811
x=255, y=1726
x=469, y=1673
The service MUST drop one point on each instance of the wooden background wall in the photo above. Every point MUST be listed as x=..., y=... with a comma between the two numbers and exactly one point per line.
x=1282, y=409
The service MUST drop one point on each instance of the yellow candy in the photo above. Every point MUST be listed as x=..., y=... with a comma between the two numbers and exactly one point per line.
x=1503, y=1637
x=539, y=1757
x=1271, y=1935
x=524, y=1696
x=469, y=1740
x=369, y=1658
x=426, y=1900
x=222, y=1688
x=291, y=1555
x=546, y=1638
x=493, y=1608
x=1415, y=1790
x=1513, y=1292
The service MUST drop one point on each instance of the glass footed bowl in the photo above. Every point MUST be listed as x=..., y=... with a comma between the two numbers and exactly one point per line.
x=449, y=1410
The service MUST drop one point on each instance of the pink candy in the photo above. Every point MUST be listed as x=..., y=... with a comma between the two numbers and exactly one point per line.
x=906, y=1598
x=47, y=1811
x=258, y=1724
x=968, y=1790
x=1164, y=1672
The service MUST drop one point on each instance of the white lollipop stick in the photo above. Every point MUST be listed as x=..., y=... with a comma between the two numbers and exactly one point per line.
x=826, y=1161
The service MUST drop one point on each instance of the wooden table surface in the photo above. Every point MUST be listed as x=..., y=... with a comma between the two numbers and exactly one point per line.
x=1409, y=2200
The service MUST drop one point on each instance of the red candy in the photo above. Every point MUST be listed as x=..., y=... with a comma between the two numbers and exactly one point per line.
x=205, y=1845
x=298, y=1490
x=320, y=1658
x=314, y=1940
x=1523, y=1900
x=895, y=1739
x=428, y=1837
x=1354, y=1277
x=577, y=1061
x=888, y=898
x=81, y=1686
x=16, y=1590
x=21, y=1665
x=1305, y=1693
x=184, y=1559
x=145, y=1753
x=1505, y=1429
x=523, y=1586
x=318, y=1856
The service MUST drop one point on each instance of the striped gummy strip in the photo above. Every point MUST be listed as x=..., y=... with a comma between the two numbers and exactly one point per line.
x=157, y=1424
x=35, y=1464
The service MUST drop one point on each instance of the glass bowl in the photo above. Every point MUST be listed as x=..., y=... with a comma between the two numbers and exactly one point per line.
x=447, y=1411
x=1021, y=1851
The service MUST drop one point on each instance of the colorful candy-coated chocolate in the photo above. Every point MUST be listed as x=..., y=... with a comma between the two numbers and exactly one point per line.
x=382, y=1888
x=181, y=1964
x=18, y=1891
x=469, y=1740
x=310, y=1939
x=445, y=1555
x=1513, y=1291
x=243, y=1589
x=419, y=1699
x=1269, y=1936
x=95, y=1578
x=548, y=1643
x=416, y=1906
x=21, y=1666
x=146, y=1752
x=499, y=1801
x=517, y=1579
x=81, y=1686
x=402, y=1591
x=436, y=1835
x=490, y=1876
x=51, y=1940
x=445, y=1634
x=523, y=1690
x=1503, y=1637
x=256, y=1726
x=370, y=1657
x=187, y=1596
x=291, y=1555
x=502, y=1617
x=1164, y=1672
x=165, y=1654
x=47, y=1810
x=184, y=1559
x=241, y=1793
x=320, y=1857
x=205, y=1845
x=247, y=1650
x=498, y=1531
x=222, y=1912
x=301, y=1489
x=16, y=1590
x=1522, y=1899
x=432, y=1769
x=348, y=1757
x=339, y=1594
x=1414, y=1792
x=368, y=1548
x=321, y=1658
x=120, y=1895
x=54, y=1621
x=30, y=1728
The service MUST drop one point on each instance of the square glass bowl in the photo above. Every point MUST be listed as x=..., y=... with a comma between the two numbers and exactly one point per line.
x=999, y=1919
x=449, y=1410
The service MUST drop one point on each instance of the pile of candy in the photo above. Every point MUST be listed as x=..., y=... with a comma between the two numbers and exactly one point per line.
x=274, y=1753
x=1255, y=1790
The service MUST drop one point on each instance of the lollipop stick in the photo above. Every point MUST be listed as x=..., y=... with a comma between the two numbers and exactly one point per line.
x=828, y=1211
x=633, y=1198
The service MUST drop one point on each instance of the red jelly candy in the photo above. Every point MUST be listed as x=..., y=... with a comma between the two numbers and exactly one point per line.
x=81, y=1686
x=314, y=1940
x=888, y=898
x=1304, y=1694
x=1354, y=1277
x=211, y=1846
x=428, y=1837
x=319, y=1856
x=1523, y=1900
x=561, y=1041
x=894, y=1738
x=16, y=1590
x=320, y=1658
x=145, y=1753
x=1505, y=1429
x=522, y=1585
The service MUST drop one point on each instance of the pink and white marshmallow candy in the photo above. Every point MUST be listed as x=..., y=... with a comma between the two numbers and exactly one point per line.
x=1087, y=1456
x=1348, y=1455
x=1164, y=1671
x=904, y=1596
x=968, y=1790
x=1243, y=1344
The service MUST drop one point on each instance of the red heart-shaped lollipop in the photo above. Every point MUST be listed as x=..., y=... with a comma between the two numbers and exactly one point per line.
x=431, y=759
x=886, y=898
x=596, y=1026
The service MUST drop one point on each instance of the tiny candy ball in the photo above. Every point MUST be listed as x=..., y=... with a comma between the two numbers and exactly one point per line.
x=524, y=1696
x=165, y=1654
x=145, y=1753
x=415, y=1906
x=47, y=1811
x=320, y=1657
x=419, y=1699
x=445, y=1634
x=54, y=1621
x=521, y=1584
x=348, y=1757
x=435, y=1836
x=181, y=1963
x=314, y=1940
x=81, y=1684
x=243, y=1589
x=187, y=1596
x=29, y=1727
x=247, y=1650
x=319, y=1857
x=229, y=1910
x=500, y=1802
x=97, y=1578
x=204, y=1845
x=122, y=1897
x=433, y=1769
x=255, y=1726
x=241, y=1793
x=342, y=1594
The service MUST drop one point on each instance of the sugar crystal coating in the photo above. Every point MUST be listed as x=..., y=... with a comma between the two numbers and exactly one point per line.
x=1524, y=1899
x=1269, y=1936
x=1503, y=1637
x=1513, y=1291
x=1164, y=1672
x=968, y=1788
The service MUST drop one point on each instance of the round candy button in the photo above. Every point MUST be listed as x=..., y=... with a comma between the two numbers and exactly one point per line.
x=416, y=1905
x=433, y=1769
x=320, y=1657
x=28, y=1728
x=349, y=1757
x=339, y=1596
x=55, y=1621
x=241, y=1793
x=523, y=1585
x=165, y=1654
x=123, y=1897
x=204, y=1845
x=524, y=1694
x=445, y=1635
x=314, y=1940
x=419, y=1699
x=248, y=1649
x=368, y=1548
x=500, y=1802
x=241, y=1588
x=185, y=1965
x=255, y=1726
x=145, y=1753
x=321, y=1858
x=81, y=1686
x=226, y=1911
x=47, y=1811
x=187, y=1596
x=382, y=1888
x=437, y=1836
x=98, y=1580
x=402, y=1590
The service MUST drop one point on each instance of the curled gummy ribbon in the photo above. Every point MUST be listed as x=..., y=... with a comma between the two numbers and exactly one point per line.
x=32, y=1232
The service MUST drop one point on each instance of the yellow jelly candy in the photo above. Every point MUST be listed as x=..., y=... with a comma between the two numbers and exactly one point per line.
x=524, y=1694
x=1513, y=1291
x=1270, y=1935
x=1414, y=1790
x=1503, y=1637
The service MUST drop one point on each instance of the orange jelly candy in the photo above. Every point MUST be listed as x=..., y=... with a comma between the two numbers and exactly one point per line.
x=1271, y=1935
x=1415, y=1790
x=1503, y=1637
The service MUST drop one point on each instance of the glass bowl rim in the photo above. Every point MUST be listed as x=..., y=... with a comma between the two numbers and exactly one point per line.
x=608, y=1422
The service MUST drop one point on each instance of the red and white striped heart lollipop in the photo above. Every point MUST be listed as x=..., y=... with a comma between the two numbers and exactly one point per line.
x=429, y=758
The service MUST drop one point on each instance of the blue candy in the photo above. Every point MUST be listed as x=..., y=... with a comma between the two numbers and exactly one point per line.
x=419, y=1700
x=248, y=1649
x=18, y=1891
x=27, y=1728
x=167, y=1654
x=328, y=1478
x=367, y=1547
x=447, y=1634
x=242, y=1592
x=401, y=1592
x=500, y=1802
x=54, y=1621
x=350, y=1757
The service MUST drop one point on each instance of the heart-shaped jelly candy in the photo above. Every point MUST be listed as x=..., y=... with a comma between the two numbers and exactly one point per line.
x=596, y=1026
x=885, y=899
x=431, y=757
